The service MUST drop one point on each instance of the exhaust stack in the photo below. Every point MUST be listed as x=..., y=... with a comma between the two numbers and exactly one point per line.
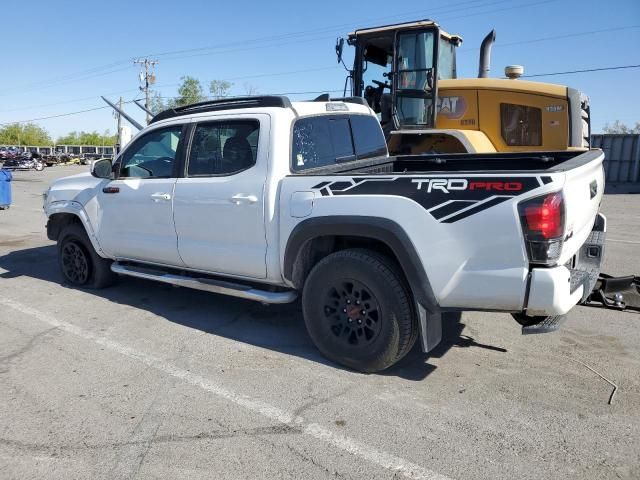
x=485, y=54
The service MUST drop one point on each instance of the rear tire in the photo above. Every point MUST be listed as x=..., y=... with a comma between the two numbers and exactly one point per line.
x=358, y=310
x=79, y=263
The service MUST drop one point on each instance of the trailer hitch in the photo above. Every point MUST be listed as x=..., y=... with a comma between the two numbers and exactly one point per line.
x=608, y=292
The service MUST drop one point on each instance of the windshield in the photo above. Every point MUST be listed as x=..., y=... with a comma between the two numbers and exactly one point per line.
x=446, y=59
x=414, y=78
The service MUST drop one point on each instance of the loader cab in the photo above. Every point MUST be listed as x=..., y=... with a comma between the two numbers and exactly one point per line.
x=396, y=69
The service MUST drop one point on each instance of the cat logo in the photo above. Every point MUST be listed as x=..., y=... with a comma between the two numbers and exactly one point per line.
x=452, y=107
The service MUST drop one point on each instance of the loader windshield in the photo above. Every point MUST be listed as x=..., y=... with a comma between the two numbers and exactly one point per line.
x=414, y=81
x=446, y=59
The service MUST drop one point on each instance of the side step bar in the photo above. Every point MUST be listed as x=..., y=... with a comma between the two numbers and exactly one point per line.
x=206, y=284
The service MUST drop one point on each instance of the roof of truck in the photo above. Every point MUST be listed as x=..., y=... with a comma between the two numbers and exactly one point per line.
x=322, y=104
x=316, y=108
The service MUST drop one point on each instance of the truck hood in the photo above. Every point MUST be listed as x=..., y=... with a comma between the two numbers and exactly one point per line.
x=77, y=188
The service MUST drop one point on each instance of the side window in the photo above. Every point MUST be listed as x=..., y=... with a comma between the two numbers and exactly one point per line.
x=521, y=125
x=341, y=139
x=152, y=155
x=321, y=141
x=368, y=137
x=326, y=140
x=223, y=148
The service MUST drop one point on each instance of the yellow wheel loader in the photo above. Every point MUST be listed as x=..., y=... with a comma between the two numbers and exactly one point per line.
x=407, y=74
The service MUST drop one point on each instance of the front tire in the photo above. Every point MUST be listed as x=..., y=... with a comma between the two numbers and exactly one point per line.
x=358, y=310
x=79, y=263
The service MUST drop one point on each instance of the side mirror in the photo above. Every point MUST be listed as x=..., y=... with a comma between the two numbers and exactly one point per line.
x=101, y=168
x=339, y=48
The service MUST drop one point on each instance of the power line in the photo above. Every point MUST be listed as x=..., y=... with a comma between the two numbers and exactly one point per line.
x=7, y=92
x=65, y=102
x=93, y=97
x=620, y=67
x=520, y=42
x=215, y=50
x=329, y=29
x=587, y=70
x=76, y=74
x=60, y=115
x=97, y=71
x=557, y=37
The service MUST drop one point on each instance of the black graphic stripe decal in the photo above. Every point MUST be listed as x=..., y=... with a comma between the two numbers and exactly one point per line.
x=448, y=208
x=448, y=199
x=476, y=209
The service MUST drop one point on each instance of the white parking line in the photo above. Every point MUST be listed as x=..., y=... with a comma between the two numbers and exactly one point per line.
x=347, y=444
x=622, y=241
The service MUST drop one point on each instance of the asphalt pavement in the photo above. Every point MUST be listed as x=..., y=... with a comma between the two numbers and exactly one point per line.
x=144, y=380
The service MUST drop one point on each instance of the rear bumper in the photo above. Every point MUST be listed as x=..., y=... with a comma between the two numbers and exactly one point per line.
x=550, y=292
x=555, y=291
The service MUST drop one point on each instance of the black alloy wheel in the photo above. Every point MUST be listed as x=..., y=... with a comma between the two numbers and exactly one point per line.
x=75, y=264
x=353, y=312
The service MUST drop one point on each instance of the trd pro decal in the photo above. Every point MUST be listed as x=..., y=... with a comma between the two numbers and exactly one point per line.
x=447, y=199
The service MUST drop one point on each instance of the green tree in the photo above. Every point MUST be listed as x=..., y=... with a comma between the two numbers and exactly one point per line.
x=619, y=127
x=190, y=91
x=156, y=103
x=24, y=134
x=219, y=88
x=88, y=138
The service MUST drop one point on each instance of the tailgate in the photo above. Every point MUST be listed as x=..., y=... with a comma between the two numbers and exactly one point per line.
x=583, y=190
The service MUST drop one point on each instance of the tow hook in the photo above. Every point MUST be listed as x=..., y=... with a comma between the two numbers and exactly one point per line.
x=608, y=292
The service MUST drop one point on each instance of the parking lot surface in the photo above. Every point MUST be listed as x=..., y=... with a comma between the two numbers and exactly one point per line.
x=144, y=380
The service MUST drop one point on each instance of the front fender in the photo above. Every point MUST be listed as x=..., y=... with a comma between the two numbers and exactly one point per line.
x=69, y=207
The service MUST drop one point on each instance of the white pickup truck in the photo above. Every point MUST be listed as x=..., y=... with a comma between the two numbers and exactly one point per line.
x=266, y=199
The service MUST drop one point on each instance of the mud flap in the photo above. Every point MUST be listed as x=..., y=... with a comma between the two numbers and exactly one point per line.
x=430, y=324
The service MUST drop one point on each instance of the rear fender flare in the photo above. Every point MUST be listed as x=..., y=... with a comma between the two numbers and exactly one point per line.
x=393, y=236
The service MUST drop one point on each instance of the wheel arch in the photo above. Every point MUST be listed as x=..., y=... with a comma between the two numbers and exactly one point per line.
x=314, y=238
x=61, y=214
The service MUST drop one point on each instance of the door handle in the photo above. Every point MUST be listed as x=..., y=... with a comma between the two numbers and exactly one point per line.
x=156, y=197
x=242, y=198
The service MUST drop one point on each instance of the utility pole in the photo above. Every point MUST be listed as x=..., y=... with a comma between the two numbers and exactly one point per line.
x=146, y=78
x=119, y=134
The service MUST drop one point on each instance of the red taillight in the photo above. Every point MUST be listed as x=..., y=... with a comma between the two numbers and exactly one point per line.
x=542, y=220
x=546, y=218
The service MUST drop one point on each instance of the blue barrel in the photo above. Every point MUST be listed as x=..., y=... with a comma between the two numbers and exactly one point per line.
x=5, y=188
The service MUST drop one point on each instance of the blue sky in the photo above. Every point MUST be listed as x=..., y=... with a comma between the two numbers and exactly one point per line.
x=59, y=57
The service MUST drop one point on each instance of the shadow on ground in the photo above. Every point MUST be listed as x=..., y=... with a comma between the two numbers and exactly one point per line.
x=276, y=327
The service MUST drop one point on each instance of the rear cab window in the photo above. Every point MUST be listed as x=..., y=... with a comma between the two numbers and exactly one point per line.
x=330, y=139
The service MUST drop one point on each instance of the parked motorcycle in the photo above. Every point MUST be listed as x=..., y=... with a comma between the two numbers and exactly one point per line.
x=27, y=161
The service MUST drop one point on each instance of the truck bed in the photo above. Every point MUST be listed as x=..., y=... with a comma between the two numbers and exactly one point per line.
x=525, y=162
